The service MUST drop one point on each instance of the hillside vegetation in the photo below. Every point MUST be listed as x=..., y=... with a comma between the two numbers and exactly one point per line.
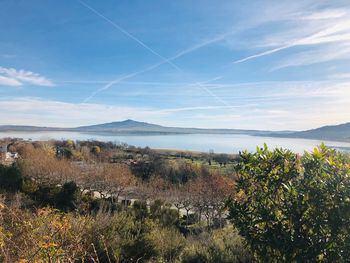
x=66, y=201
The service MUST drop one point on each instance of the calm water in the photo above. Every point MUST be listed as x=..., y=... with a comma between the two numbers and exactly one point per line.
x=197, y=142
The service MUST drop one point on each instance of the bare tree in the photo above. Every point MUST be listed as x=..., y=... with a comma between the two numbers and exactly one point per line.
x=46, y=169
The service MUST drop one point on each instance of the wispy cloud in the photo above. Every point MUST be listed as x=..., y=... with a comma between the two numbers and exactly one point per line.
x=37, y=111
x=325, y=14
x=315, y=29
x=198, y=108
x=314, y=56
x=340, y=76
x=261, y=105
x=6, y=81
x=14, y=77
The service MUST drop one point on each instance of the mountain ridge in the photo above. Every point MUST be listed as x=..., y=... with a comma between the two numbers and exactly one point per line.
x=340, y=132
x=132, y=126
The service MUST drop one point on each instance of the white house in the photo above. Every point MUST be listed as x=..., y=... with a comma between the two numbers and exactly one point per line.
x=10, y=156
x=6, y=156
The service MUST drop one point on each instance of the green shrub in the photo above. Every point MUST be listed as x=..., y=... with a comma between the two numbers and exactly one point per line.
x=163, y=213
x=29, y=186
x=294, y=209
x=65, y=197
x=140, y=210
x=166, y=244
x=223, y=245
x=68, y=197
x=10, y=178
x=121, y=237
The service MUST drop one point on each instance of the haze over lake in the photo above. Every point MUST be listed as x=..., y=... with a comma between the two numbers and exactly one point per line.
x=220, y=143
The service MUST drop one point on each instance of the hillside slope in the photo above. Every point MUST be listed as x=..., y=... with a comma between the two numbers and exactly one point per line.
x=135, y=127
x=334, y=132
x=339, y=132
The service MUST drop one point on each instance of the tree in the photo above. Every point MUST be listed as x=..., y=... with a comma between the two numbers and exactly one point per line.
x=10, y=178
x=143, y=169
x=47, y=169
x=67, y=198
x=294, y=209
x=222, y=159
x=119, y=180
x=207, y=196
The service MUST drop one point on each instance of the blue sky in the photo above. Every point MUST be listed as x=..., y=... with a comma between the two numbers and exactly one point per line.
x=226, y=64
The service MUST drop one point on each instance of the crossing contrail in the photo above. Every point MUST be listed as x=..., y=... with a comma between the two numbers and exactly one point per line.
x=125, y=32
x=212, y=94
x=163, y=59
x=120, y=79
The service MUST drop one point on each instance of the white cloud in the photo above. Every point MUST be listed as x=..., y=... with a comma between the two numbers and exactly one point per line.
x=326, y=14
x=39, y=112
x=36, y=111
x=14, y=77
x=318, y=28
x=294, y=105
x=317, y=55
x=6, y=81
x=340, y=76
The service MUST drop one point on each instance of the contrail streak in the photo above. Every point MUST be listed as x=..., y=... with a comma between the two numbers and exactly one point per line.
x=201, y=85
x=128, y=34
x=263, y=54
x=164, y=60
x=118, y=80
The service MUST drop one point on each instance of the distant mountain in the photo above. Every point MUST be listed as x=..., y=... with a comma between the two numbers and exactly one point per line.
x=332, y=133
x=131, y=126
x=135, y=127
x=23, y=128
x=122, y=126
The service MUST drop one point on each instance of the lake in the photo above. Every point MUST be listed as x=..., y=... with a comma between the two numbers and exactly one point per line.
x=220, y=143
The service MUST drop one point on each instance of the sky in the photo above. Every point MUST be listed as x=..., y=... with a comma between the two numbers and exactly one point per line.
x=259, y=64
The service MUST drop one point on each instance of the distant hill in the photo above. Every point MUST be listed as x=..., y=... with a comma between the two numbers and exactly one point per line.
x=122, y=126
x=333, y=133
x=23, y=128
x=134, y=127
x=131, y=126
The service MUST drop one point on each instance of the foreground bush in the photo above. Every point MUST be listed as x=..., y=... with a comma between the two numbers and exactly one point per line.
x=294, y=209
x=10, y=178
x=223, y=245
x=48, y=235
x=43, y=236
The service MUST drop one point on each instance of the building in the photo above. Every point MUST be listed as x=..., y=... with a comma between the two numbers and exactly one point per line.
x=7, y=157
